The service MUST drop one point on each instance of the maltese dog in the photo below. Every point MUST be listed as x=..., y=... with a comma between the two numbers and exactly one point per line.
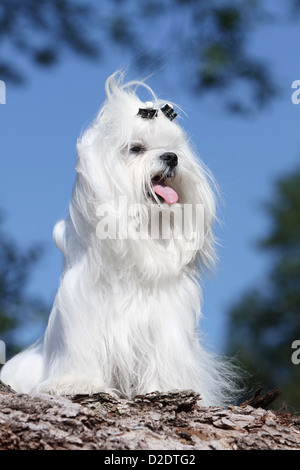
x=137, y=239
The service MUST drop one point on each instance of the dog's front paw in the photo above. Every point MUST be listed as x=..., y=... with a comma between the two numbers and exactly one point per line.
x=72, y=385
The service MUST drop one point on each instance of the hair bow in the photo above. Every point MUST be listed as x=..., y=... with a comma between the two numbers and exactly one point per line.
x=169, y=112
x=151, y=113
x=148, y=113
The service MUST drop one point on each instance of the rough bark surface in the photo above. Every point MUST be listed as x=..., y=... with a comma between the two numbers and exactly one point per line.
x=156, y=421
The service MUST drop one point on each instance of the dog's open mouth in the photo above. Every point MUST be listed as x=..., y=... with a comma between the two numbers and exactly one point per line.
x=165, y=192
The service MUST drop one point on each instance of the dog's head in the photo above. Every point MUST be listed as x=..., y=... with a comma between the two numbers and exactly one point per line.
x=137, y=149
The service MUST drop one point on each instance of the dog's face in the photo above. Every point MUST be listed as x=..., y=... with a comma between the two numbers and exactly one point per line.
x=147, y=159
x=155, y=157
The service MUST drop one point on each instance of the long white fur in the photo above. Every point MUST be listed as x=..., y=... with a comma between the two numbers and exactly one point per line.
x=125, y=317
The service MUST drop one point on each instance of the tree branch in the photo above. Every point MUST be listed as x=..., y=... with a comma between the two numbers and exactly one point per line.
x=164, y=421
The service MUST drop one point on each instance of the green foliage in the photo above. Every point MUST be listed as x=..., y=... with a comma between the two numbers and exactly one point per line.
x=266, y=321
x=208, y=39
x=285, y=214
x=16, y=309
x=40, y=30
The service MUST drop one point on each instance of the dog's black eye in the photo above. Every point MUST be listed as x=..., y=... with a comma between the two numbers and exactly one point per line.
x=136, y=149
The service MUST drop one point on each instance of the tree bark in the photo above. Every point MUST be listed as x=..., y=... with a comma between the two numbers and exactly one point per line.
x=156, y=421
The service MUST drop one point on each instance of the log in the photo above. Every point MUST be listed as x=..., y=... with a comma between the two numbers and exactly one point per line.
x=155, y=421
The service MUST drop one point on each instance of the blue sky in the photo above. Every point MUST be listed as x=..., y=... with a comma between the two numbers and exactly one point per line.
x=41, y=121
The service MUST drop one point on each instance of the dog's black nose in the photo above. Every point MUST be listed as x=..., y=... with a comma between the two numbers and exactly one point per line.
x=170, y=158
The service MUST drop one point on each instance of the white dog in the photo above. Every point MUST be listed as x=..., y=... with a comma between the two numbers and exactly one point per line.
x=125, y=317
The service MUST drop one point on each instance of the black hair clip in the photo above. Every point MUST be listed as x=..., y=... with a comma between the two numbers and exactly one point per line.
x=148, y=113
x=169, y=112
x=151, y=113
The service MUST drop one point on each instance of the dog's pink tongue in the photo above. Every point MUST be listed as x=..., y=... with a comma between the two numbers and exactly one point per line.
x=167, y=193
